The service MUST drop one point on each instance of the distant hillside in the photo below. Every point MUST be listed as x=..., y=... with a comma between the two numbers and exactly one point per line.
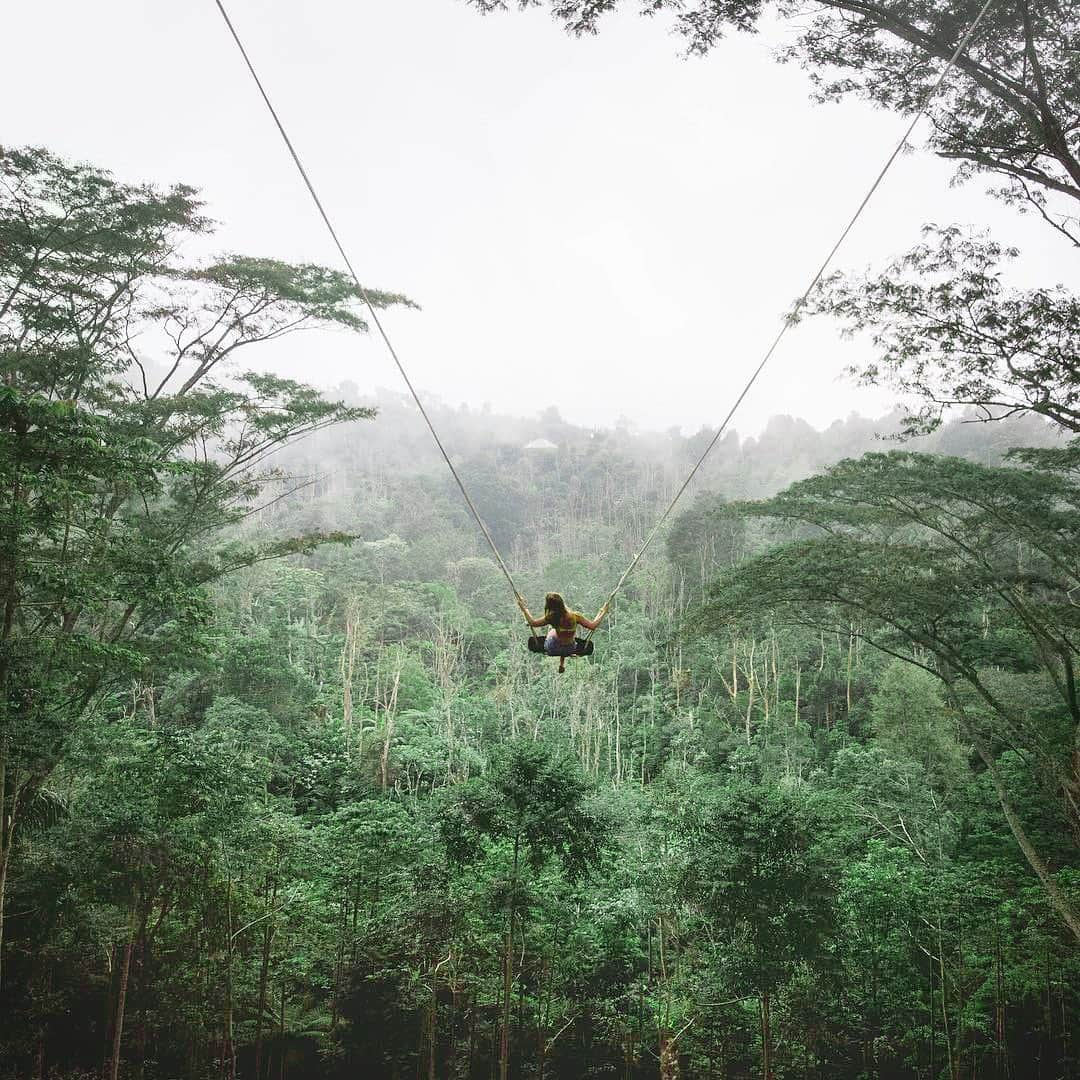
x=575, y=491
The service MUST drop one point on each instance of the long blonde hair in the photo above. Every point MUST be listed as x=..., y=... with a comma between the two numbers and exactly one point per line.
x=555, y=612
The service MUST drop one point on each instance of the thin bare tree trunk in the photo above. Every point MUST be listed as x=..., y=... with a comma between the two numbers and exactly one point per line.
x=121, y=997
x=264, y=978
x=141, y=1031
x=618, y=736
x=766, y=1038
x=850, y=661
x=508, y=962
x=229, y=1048
x=281, y=1035
x=389, y=713
x=504, y=1036
x=751, y=682
x=433, y=1023
x=348, y=666
x=944, y=999
x=7, y=842
x=999, y=1012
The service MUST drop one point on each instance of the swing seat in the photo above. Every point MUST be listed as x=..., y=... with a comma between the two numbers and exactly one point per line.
x=581, y=646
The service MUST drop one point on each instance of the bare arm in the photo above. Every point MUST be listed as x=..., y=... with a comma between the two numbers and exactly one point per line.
x=592, y=624
x=528, y=617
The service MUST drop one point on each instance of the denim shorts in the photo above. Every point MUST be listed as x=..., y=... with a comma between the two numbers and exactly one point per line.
x=554, y=647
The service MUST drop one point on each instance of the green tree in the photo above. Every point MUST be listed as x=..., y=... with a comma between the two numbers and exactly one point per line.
x=532, y=806
x=753, y=869
x=704, y=540
x=159, y=809
x=126, y=441
x=955, y=567
x=910, y=718
x=951, y=333
x=1012, y=113
x=949, y=330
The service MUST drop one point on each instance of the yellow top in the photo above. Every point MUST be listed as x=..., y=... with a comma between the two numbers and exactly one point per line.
x=566, y=632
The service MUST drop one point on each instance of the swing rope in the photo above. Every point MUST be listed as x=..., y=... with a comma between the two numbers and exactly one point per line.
x=791, y=318
x=788, y=321
x=365, y=297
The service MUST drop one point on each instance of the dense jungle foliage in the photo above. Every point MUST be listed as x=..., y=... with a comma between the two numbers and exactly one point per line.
x=283, y=795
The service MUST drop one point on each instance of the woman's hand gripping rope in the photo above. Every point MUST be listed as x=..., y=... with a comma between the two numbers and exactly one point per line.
x=523, y=608
x=600, y=616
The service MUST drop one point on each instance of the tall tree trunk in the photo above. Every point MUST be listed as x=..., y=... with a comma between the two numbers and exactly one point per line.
x=751, y=680
x=933, y=1023
x=850, y=662
x=1057, y=900
x=945, y=1002
x=5, y=854
x=504, y=1036
x=389, y=712
x=435, y=1015
x=542, y=1010
x=798, y=688
x=508, y=962
x=109, y=1007
x=141, y=1032
x=7, y=834
x=229, y=1047
x=669, y=1057
x=121, y=997
x=348, y=664
x=264, y=979
x=999, y=1012
x=618, y=736
x=766, y=1038
x=432, y=1025
x=281, y=1036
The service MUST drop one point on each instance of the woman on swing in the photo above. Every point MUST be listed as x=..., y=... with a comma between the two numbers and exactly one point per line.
x=561, y=638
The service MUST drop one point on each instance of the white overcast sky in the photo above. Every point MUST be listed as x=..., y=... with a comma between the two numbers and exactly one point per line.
x=598, y=224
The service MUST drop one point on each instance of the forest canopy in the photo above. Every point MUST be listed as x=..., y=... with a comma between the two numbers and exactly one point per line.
x=284, y=795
